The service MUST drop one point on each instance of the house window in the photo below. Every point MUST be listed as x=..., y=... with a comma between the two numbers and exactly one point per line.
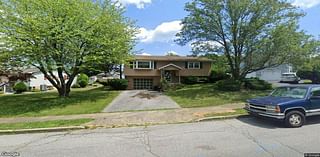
x=143, y=65
x=193, y=65
x=131, y=65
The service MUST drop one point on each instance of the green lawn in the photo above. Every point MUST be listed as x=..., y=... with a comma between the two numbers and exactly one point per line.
x=201, y=95
x=45, y=124
x=81, y=101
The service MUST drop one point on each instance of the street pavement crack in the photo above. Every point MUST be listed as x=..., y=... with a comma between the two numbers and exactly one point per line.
x=245, y=132
x=146, y=142
x=294, y=149
x=24, y=145
x=254, y=140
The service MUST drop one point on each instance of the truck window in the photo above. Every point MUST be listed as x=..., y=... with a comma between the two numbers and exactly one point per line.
x=315, y=91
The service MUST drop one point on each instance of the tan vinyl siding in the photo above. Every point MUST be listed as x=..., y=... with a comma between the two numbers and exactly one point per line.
x=204, y=71
x=160, y=62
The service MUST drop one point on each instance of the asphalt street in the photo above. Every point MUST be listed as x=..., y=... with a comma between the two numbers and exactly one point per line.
x=234, y=137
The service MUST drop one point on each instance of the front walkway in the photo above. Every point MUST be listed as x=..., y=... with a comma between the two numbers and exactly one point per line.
x=135, y=100
x=121, y=119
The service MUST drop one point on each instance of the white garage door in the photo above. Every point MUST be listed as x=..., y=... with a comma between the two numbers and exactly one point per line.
x=270, y=75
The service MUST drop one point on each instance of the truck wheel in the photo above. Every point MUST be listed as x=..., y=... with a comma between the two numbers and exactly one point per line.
x=294, y=119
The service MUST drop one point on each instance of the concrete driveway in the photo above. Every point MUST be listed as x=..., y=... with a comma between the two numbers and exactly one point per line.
x=133, y=100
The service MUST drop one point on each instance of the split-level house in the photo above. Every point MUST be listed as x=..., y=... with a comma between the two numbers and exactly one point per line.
x=146, y=72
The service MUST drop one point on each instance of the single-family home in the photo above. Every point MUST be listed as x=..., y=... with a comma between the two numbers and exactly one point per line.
x=37, y=80
x=146, y=72
x=31, y=76
x=272, y=74
x=10, y=77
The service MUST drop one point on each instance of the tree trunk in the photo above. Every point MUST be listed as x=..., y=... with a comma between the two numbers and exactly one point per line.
x=62, y=87
x=64, y=92
x=121, y=71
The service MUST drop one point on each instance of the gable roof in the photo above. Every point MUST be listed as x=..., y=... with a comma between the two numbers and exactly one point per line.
x=31, y=70
x=168, y=65
x=172, y=58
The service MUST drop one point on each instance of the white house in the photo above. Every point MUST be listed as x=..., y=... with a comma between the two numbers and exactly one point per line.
x=271, y=74
x=38, y=79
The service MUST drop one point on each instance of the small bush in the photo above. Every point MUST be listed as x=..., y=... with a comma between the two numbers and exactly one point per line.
x=164, y=85
x=228, y=85
x=104, y=83
x=217, y=76
x=175, y=87
x=83, y=80
x=314, y=76
x=20, y=87
x=118, y=84
x=256, y=84
x=190, y=80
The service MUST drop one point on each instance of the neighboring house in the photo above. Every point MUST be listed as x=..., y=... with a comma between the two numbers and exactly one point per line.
x=37, y=78
x=271, y=74
x=4, y=78
x=9, y=78
x=146, y=72
x=31, y=76
x=108, y=76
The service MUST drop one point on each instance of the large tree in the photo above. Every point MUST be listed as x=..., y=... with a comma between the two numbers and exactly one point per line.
x=251, y=34
x=64, y=36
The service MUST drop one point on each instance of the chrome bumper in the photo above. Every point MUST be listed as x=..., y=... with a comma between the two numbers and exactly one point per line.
x=265, y=114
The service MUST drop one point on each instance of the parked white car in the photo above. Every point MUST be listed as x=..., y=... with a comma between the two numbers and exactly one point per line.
x=290, y=78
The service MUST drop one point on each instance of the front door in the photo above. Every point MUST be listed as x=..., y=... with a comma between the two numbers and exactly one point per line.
x=168, y=75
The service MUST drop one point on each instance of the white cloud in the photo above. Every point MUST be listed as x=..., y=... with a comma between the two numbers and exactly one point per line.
x=144, y=54
x=305, y=3
x=171, y=53
x=138, y=3
x=164, y=32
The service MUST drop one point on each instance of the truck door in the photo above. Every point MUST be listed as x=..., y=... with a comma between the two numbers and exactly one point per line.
x=315, y=101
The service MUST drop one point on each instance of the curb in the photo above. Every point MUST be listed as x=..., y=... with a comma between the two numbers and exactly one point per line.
x=37, y=130
x=222, y=117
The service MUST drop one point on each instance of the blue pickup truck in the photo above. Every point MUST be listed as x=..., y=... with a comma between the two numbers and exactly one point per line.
x=291, y=104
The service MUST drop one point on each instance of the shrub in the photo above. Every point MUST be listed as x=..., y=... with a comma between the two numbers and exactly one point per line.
x=20, y=87
x=175, y=87
x=256, y=84
x=217, y=76
x=314, y=76
x=118, y=84
x=83, y=80
x=190, y=80
x=228, y=85
x=104, y=83
x=164, y=85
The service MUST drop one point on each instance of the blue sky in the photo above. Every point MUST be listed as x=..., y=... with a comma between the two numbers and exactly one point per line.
x=159, y=20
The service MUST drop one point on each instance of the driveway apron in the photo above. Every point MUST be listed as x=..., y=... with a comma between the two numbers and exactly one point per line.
x=133, y=100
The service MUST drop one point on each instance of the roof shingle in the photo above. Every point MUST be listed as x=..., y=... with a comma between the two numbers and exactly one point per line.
x=172, y=58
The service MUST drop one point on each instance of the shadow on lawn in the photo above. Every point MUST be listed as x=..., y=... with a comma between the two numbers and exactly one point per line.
x=203, y=91
x=15, y=105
